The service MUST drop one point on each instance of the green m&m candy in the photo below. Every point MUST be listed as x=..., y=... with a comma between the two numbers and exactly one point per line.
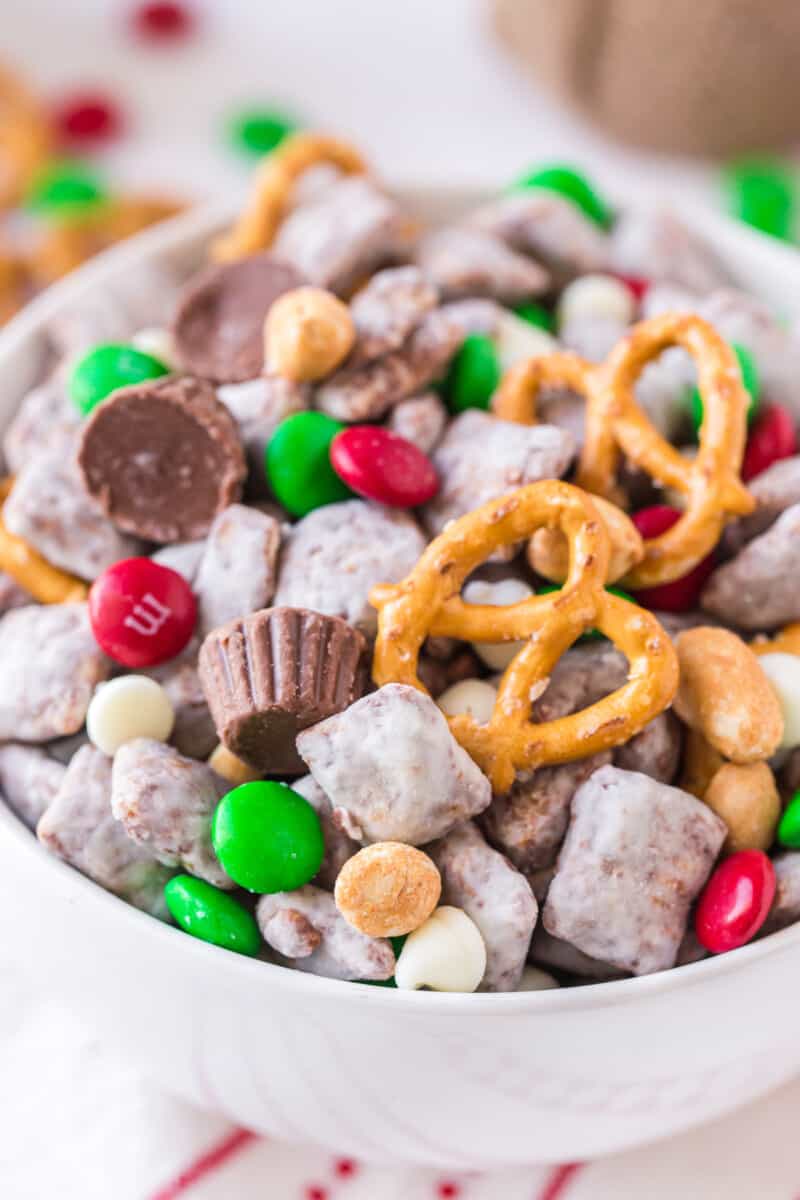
x=259, y=131
x=473, y=374
x=536, y=314
x=750, y=379
x=64, y=188
x=267, y=837
x=211, y=915
x=789, y=826
x=106, y=368
x=763, y=193
x=298, y=464
x=571, y=184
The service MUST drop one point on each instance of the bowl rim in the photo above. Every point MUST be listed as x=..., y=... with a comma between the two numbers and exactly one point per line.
x=168, y=236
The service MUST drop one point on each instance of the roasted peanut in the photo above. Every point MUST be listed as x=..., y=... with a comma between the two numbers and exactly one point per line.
x=700, y=764
x=725, y=695
x=548, y=551
x=746, y=798
x=308, y=333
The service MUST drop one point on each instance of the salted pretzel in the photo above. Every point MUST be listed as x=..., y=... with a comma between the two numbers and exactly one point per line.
x=785, y=641
x=25, y=138
x=44, y=582
x=615, y=425
x=428, y=602
x=275, y=180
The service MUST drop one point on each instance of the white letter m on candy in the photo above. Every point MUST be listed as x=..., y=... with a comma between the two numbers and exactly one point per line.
x=148, y=616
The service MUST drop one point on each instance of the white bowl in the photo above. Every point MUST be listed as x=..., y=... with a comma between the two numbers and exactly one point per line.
x=449, y=1080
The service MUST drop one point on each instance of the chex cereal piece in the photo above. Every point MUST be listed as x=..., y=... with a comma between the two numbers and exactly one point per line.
x=50, y=665
x=656, y=751
x=421, y=420
x=655, y=244
x=334, y=556
x=193, y=733
x=757, y=589
x=29, y=780
x=388, y=309
x=306, y=927
x=786, y=904
x=392, y=769
x=498, y=898
x=237, y=572
x=338, y=845
x=165, y=802
x=45, y=421
x=468, y=262
x=773, y=490
x=11, y=594
x=79, y=827
x=636, y=855
x=258, y=406
x=50, y=509
x=481, y=457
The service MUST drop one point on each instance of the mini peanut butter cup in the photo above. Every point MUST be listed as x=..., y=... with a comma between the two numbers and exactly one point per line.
x=163, y=458
x=271, y=674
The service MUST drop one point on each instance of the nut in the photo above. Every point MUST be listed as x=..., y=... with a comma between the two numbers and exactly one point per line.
x=724, y=693
x=548, y=553
x=387, y=889
x=785, y=641
x=747, y=800
x=228, y=766
x=700, y=764
x=308, y=333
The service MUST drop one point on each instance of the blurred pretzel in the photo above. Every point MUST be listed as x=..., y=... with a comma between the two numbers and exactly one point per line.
x=25, y=138
x=277, y=175
x=709, y=483
x=785, y=641
x=35, y=574
x=428, y=602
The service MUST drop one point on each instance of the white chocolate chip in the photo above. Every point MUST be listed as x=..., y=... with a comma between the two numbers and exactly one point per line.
x=596, y=298
x=446, y=954
x=496, y=655
x=783, y=672
x=473, y=696
x=534, y=979
x=158, y=342
x=516, y=340
x=133, y=706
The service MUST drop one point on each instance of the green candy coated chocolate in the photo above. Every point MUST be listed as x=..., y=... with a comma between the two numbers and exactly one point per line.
x=763, y=193
x=473, y=375
x=536, y=314
x=568, y=182
x=211, y=915
x=64, y=188
x=298, y=465
x=789, y=827
x=750, y=379
x=591, y=635
x=106, y=368
x=259, y=131
x=267, y=837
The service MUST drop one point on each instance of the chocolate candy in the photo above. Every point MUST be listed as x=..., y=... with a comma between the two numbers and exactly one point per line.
x=271, y=674
x=163, y=458
x=267, y=837
x=207, y=913
x=219, y=325
x=735, y=902
x=106, y=368
x=566, y=181
x=383, y=466
x=141, y=613
x=772, y=438
x=132, y=706
x=682, y=594
x=298, y=464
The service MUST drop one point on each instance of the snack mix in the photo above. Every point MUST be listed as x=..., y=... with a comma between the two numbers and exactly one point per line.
x=416, y=607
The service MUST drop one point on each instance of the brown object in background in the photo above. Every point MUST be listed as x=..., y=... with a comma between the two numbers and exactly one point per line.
x=695, y=76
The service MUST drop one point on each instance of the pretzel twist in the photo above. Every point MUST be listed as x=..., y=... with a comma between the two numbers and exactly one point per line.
x=428, y=602
x=25, y=139
x=275, y=180
x=615, y=425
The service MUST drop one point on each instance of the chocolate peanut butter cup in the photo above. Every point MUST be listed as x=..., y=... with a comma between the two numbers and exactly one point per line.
x=270, y=675
x=163, y=458
x=218, y=328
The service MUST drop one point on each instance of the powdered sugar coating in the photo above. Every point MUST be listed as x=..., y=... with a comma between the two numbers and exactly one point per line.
x=758, y=589
x=338, y=846
x=393, y=770
x=238, y=570
x=388, y=309
x=29, y=780
x=421, y=420
x=469, y=262
x=306, y=927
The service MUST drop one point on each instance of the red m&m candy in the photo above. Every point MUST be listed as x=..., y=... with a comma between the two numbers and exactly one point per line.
x=636, y=284
x=735, y=901
x=87, y=117
x=771, y=438
x=383, y=466
x=680, y=595
x=162, y=20
x=141, y=613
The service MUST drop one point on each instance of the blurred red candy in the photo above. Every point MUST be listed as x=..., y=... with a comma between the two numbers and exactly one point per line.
x=680, y=595
x=163, y=21
x=141, y=613
x=383, y=466
x=637, y=284
x=771, y=438
x=735, y=902
x=87, y=117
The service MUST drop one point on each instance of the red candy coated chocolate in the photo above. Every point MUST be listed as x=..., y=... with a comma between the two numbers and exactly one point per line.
x=87, y=117
x=735, y=901
x=383, y=466
x=636, y=284
x=141, y=613
x=771, y=438
x=680, y=595
x=162, y=20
